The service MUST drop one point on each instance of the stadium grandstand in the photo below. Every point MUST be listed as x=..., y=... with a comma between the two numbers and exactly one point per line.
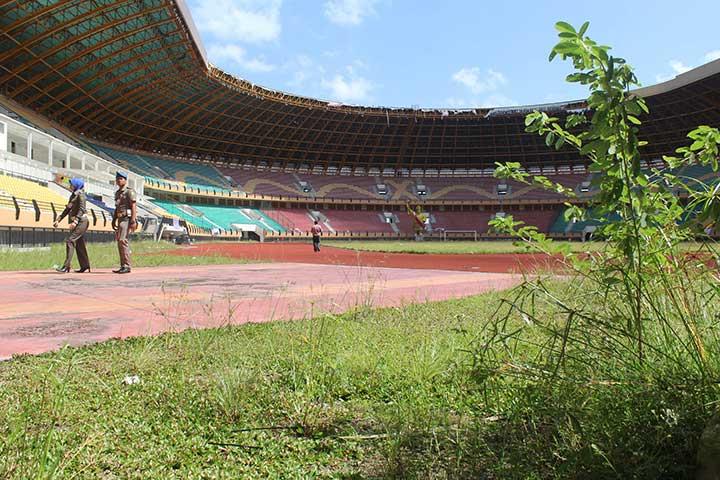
x=88, y=88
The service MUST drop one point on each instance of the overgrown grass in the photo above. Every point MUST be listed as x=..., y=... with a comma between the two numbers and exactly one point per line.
x=104, y=255
x=469, y=247
x=460, y=247
x=436, y=390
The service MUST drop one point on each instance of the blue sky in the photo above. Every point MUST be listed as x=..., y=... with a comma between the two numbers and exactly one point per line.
x=451, y=53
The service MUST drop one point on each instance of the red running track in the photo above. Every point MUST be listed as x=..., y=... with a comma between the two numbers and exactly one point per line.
x=42, y=311
x=303, y=253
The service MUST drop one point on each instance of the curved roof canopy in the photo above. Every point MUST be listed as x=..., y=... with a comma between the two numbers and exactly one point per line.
x=134, y=73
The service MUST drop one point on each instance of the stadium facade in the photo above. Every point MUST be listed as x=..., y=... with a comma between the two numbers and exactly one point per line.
x=91, y=86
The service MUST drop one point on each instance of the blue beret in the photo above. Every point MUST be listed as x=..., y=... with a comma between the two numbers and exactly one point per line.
x=121, y=175
x=77, y=183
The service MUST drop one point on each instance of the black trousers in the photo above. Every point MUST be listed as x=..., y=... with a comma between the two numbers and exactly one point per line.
x=76, y=241
x=316, y=243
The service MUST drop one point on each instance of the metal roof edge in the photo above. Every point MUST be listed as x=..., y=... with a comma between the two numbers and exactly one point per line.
x=691, y=76
x=192, y=28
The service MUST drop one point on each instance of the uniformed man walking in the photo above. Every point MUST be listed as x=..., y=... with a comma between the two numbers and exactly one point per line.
x=124, y=219
x=77, y=210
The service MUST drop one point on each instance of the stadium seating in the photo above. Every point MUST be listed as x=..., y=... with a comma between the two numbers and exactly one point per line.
x=286, y=184
x=333, y=186
x=292, y=219
x=477, y=220
x=183, y=187
x=263, y=182
x=189, y=172
x=363, y=187
x=187, y=213
x=542, y=219
x=28, y=190
x=168, y=169
x=225, y=218
x=357, y=221
x=459, y=188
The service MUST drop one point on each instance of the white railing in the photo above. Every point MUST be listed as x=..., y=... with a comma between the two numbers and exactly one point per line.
x=98, y=173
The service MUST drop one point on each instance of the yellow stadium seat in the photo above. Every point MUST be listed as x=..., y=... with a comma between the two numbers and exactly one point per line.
x=28, y=190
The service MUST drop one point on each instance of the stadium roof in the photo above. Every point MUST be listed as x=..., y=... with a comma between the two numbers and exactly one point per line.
x=134, y=73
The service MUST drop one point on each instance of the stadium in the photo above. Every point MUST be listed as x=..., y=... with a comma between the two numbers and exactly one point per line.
x=131, y=86
x=90, y=88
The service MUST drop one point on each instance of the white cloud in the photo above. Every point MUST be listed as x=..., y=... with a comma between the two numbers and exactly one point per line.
x=479, y=82
x=483, y=87
x=712, y=56
x=677, y=67
x=348, y=88
x=349, y=12
x=494, y=100
x=304, y=70
x=346, y=85
x=251, y=21
x=237, y=55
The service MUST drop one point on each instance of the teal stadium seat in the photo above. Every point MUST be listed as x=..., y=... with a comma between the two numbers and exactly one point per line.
x=191, y=173
x=133, y=162
x=227, y=216
x=187, y=213
x=213, y=216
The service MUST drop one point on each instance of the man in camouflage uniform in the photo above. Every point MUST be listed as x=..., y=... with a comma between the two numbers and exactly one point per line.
x=79, y=224
x=124, y=219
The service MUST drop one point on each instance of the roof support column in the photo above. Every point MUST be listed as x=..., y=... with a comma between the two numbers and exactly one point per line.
x=50, y=153
x=3, y=137
x=28, y=152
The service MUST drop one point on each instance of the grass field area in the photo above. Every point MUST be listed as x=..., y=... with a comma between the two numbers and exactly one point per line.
x=459, y=247
x=466, y=247
x=104, y=255
x=424, y=391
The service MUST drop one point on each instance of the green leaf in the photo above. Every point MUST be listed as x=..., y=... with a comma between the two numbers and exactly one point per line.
x=564, y=27
x=567, y=47
x=634, y=120
x=577, y=77
x=583, y=29
x=549, y=139
x=530, y=118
